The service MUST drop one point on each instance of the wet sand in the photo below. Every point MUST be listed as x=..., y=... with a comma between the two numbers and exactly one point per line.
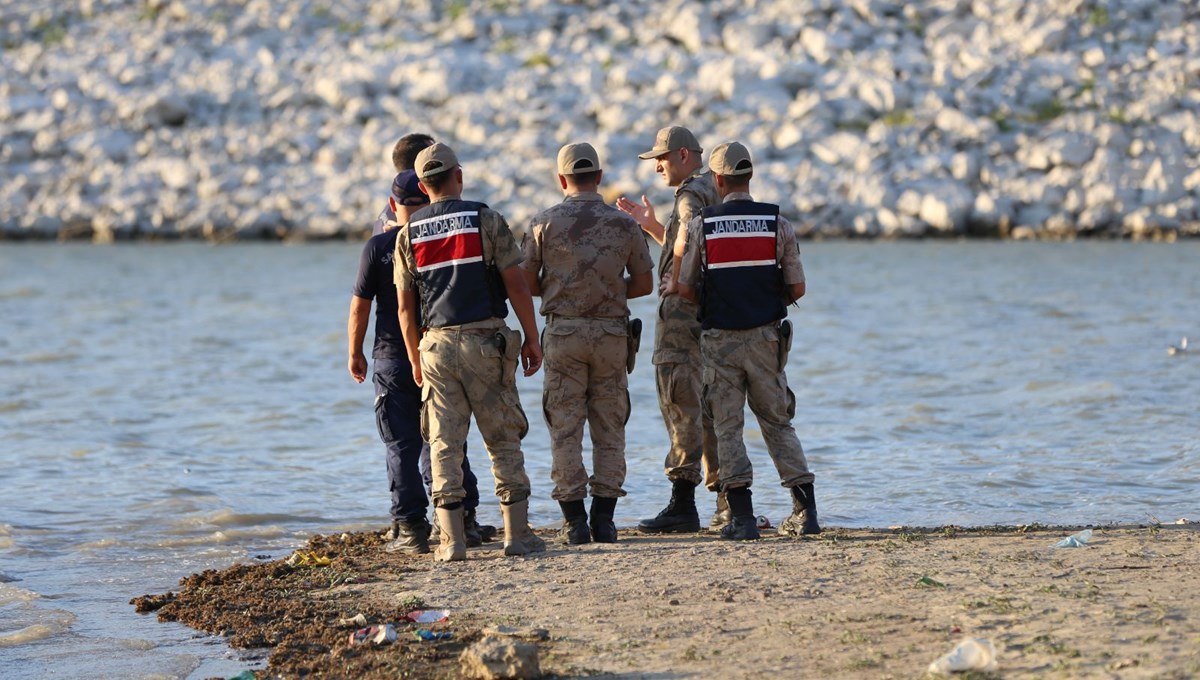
x=858, y=603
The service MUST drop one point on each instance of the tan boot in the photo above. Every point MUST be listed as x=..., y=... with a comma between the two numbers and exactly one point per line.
x=453, y=547
x=518, y=537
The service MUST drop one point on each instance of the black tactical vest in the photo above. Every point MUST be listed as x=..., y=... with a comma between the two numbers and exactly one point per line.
x=742, y=282
x=455, y=283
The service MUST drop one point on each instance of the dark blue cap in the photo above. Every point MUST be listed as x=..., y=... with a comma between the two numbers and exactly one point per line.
x=406, y=191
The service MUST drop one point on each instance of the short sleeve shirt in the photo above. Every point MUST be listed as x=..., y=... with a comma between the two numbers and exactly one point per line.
x=498, y=243
x=787, y=252
x=375, y=282
x=580, y=250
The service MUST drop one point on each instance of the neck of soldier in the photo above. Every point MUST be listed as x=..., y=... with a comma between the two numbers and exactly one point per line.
x=724, y=187
x=586, y=188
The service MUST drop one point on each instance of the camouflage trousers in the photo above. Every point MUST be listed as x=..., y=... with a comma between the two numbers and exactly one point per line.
x=677, y=374
x=586, y=380
x=745, y=365
x=470, y=371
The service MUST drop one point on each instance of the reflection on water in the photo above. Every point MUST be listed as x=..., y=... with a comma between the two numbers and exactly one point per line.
x=170, y=408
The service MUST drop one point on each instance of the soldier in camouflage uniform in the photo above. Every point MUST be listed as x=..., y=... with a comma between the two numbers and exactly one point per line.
x=677, y=157
x=576, y=255
x=745, y=256
x=460, y=258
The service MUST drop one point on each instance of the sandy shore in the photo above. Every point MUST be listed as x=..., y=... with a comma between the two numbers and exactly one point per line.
x=857, y=603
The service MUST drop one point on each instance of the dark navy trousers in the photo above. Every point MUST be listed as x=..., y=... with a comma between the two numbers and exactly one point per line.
x=398, y=417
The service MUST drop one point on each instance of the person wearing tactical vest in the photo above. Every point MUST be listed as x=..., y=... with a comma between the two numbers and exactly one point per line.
x=455, y=265
x=397, y=397
x=741, y=264
x=576, y=256
x=678, y=158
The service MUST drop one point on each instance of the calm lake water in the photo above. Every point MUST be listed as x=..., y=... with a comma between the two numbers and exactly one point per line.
x=170, y=408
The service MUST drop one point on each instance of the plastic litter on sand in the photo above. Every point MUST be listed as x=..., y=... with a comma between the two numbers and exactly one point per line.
x=972, y=654
x=429, y=635
x=1079, y=540
x=303, y=558
x=428, y=616
x=380, y=635
x=358, y=621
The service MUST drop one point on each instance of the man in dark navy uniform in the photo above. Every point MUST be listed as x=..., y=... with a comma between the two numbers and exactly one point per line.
x=742, y=256
x=397, y=397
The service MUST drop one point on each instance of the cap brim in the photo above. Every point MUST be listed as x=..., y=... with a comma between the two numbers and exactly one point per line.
x=653, y=153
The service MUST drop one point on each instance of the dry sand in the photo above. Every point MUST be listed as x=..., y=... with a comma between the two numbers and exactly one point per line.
x=854, y=603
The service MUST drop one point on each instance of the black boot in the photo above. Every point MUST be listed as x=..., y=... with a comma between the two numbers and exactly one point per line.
x=411, y=538
x=471, y=529
x=604, y=530
x=574, y=529
x=742, y=524
x=722, y=516
x=803, y=520
x=485, y=532
x=680, y=516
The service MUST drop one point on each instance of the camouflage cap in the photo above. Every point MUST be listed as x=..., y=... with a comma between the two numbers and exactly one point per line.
x=434, y=160
x=672, y=139
x=731, y=158
x=577, y=158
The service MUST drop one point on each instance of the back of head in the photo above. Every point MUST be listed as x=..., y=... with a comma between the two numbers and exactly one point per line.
x=579, y=164
x=407, y=196
x=404, y=154
x=731, y=161
x=435, y=166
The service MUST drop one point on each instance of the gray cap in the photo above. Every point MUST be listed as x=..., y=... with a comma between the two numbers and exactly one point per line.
x=672, y=139
x=434, y=160
x=577, y=158
x=731, y=158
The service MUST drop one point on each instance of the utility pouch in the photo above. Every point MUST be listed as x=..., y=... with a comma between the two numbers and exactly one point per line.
x=633, y=341
x=785, y=342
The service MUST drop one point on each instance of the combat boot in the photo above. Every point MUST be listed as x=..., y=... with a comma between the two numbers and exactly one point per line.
x=680, y=516
x=803, y=520
x=471, y=529
x=487, y=532
x=409, y=538
x=574, y=529
x=453, y=546
x=519, y=539
x=742, y=524
x=604, y=530
x=721, y=518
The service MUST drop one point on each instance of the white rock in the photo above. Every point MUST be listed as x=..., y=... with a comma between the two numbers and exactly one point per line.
x=957, y=123
x=815, y=44
x=946, y=207
x=1093, y=57
x=838, y=148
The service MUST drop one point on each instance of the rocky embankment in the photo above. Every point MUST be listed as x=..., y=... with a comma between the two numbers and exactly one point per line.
x=220, y=119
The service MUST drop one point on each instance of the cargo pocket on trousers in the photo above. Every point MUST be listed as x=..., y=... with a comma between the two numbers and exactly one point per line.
x=551, y=394
x=707, y=377
x=493, y=360
x=791, y=398
x=381, y=419
x=512, y=355
x=426, y=392
x=514, y=402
